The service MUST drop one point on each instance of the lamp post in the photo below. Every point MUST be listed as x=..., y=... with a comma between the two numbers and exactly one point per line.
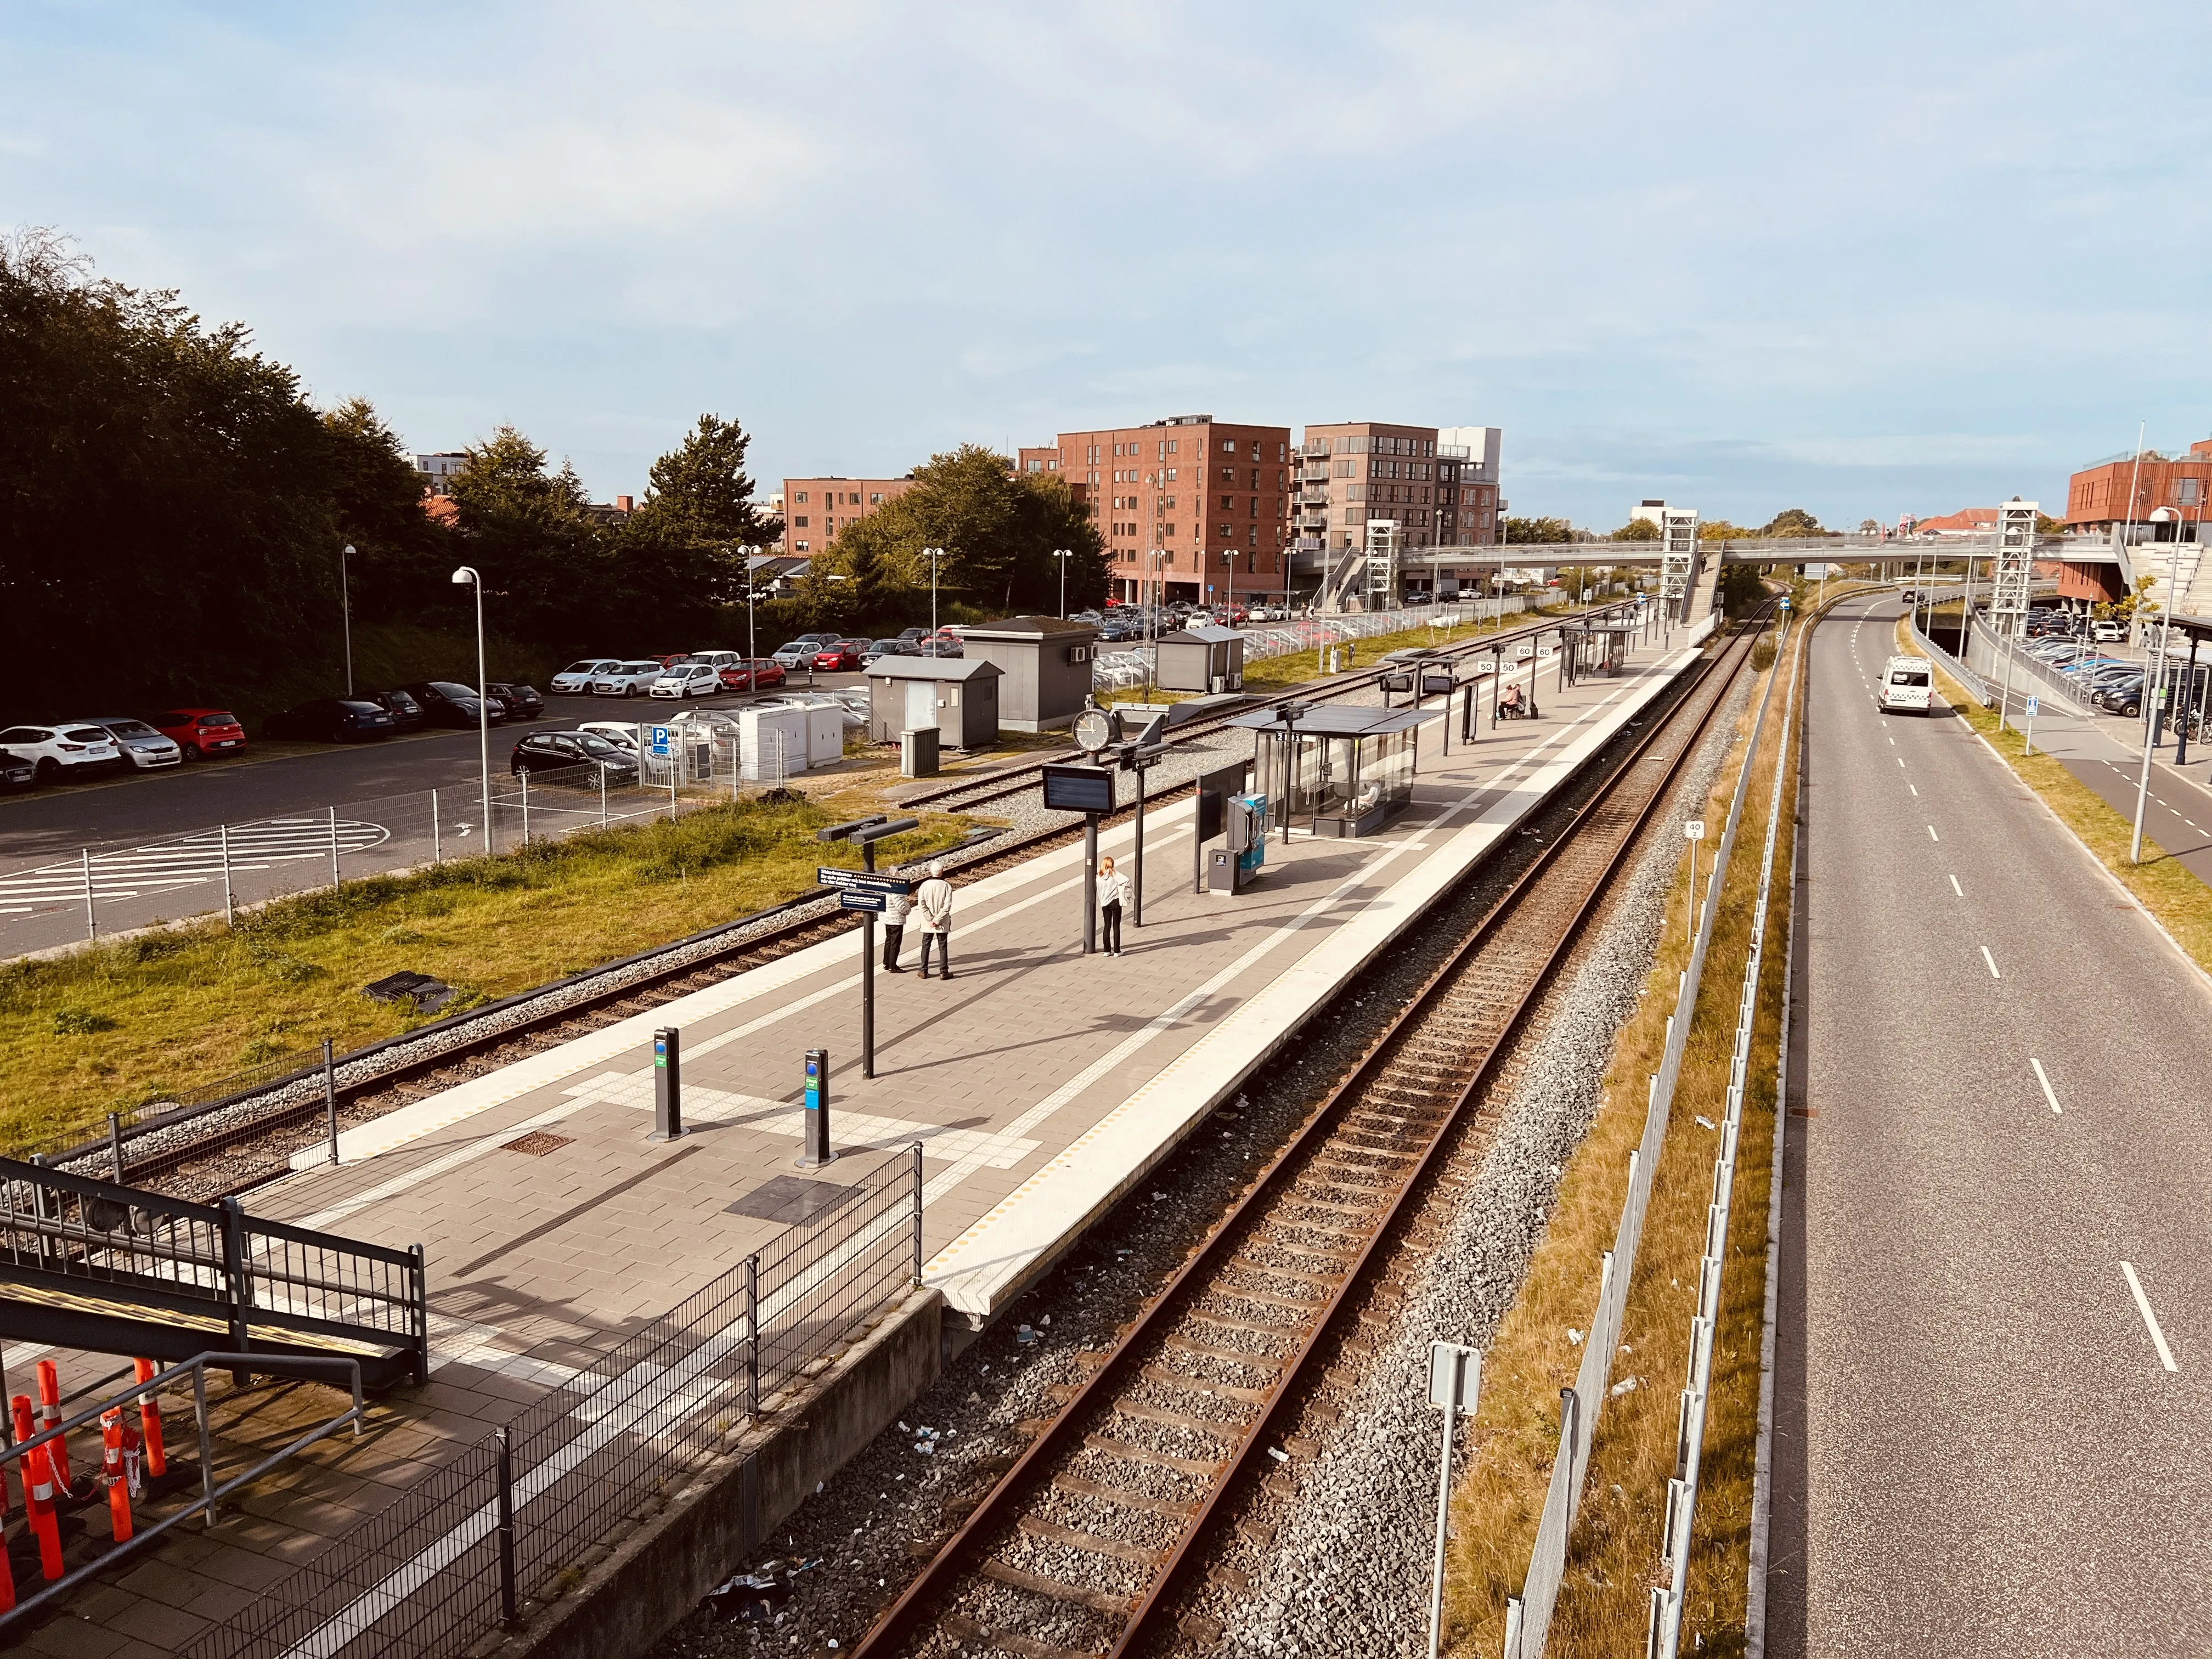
x=1228, y=559
x=1063, y=555
x=468, y=576
x=933, y=554
x=345, y=612
x=1159, y=557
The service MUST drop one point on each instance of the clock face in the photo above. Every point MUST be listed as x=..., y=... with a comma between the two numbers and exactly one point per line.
x=1094, y=729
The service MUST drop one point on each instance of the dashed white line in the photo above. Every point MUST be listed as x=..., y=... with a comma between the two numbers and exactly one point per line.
x=1932, y=835
x=1992, y=961
x=1955, y=888
x=2048, y=1093
x=2150, y=1319
x=1915, y=792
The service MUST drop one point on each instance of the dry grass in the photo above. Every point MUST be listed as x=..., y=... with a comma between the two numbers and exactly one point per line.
x=1614, y=1554
x=2161, y=883
x=113, y=1026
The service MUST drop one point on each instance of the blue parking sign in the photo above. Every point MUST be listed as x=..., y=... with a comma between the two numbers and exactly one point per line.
x=658, y=741
x=2033, y=704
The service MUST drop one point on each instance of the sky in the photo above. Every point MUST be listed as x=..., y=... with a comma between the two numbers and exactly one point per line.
x=1864, y=259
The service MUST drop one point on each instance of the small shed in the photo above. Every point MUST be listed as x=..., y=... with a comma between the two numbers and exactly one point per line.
x=1207, y=658
x=1048, y=662
x=958, y=697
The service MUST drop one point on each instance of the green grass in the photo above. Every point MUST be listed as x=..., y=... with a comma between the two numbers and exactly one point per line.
x=113, y=1026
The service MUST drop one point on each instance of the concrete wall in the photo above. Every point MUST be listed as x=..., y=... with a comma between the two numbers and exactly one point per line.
x=659, y=1574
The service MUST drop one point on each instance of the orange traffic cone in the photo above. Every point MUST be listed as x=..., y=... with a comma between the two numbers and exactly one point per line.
x=39, y=1485
x=50, y=1416
x=111, y=1468
x=150, y=1418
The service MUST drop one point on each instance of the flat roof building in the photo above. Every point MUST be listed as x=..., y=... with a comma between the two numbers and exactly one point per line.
x=1439, y=484
x=816, y=510
x=2097, y=495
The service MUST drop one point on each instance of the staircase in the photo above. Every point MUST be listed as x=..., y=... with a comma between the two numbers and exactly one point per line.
x=106, y=1269
x=1343, y=575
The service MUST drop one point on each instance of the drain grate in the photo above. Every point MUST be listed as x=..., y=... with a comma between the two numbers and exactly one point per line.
x=537, y=1143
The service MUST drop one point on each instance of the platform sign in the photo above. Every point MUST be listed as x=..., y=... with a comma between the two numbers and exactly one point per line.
x=1078, y=789
x=2034, y=706
x=878, y=902
x=860, y=881
x=658, y=743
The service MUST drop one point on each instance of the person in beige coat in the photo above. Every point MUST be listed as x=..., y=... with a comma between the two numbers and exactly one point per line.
x=932, y=902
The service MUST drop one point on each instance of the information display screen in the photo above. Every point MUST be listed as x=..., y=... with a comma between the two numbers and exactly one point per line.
x=1078, y=789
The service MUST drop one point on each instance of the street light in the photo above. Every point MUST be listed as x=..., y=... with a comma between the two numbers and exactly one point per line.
x=933, y=554
x=1063, y=555
x=467, y=575
x=345, y=612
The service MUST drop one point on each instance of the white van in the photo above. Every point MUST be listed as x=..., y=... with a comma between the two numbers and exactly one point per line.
x=1907, y=683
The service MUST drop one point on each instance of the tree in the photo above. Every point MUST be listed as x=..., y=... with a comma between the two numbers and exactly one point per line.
x=1741, y=589
x=1792, y=521
x=1869, y=527
x=1547, y=531
x=1720, y=530
x=403, y=558
x=526, y=530
x=1636, y=530
x=700, y=495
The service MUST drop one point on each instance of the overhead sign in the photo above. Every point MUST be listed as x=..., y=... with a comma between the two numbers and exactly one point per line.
x=860, y=881
x=1078, y=789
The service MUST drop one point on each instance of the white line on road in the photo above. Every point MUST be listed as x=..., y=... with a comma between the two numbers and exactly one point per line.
x=2049, y=1094
x=1932, y=835
x=1900, y=760
x=1992, y=961
x=2142, y=1307
x=1916, y=793
x=1955, y=888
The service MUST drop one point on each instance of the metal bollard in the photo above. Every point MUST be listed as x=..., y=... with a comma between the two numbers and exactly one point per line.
x=667, y=1086
x=329, y=1096
x=817, y=1151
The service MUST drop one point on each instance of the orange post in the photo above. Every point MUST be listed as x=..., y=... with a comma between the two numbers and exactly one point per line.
x=50, y=1416
x=111, y=1460
x=149, y=1418
x=7, y=1584
x=24, y=1430
x=39, y=1486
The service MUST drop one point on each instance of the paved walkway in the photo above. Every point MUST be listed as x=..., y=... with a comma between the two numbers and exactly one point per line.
x=1041, y=1083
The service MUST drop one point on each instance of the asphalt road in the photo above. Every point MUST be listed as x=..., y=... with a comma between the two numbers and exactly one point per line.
x=1987, y=1441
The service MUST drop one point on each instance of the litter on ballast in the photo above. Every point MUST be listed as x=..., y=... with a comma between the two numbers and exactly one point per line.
x=1278, y=1453
x=1574, y=1336
x=904, y=1430
x=1025, y=1334
x=1626, y=1385
x=1705, y=1123
x=1047, y=1320
x=1159, y=1198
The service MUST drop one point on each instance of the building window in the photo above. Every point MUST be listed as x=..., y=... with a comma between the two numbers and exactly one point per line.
x=802, y=547
x=2185, y=490
x=802, y=497
x=799, y=523
x=1253, y=511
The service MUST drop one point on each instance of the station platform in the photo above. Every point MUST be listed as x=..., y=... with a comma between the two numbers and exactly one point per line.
x=1041, y=1083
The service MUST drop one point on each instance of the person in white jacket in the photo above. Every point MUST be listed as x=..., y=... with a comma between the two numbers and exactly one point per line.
x=933, y=901
x=896, y=908
x=1114, y=891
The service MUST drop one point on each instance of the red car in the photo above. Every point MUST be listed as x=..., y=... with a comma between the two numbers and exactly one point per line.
x=200, y=732
x=837, y=658
x=751, y=674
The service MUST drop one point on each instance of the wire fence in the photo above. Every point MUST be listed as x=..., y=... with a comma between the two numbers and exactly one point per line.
x=229, y=868
x=1116, y=670
x=524, y=1513
x=1529, y=1615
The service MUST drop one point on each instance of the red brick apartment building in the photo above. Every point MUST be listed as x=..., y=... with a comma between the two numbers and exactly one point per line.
x=2097, y=496
x=816, y=510
x=1211, y=498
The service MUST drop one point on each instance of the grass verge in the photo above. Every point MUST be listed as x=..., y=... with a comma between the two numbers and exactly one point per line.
x=115, y=1025
x=1614, y=1557
x=2162, y=883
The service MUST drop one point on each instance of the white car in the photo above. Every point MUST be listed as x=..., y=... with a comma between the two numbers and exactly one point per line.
x=689, y=679
x=575, y=680
x=141, y=745
x=627, y=680
x=64, y=750
x=617, y=733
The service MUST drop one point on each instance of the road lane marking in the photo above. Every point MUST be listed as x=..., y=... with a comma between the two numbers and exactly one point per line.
x=2049, y=1094
x=1932, y=835
x=1900, y=760
x=1955, y=888
x=1992, y=961
x=2150, y=1319
x=1916, y=793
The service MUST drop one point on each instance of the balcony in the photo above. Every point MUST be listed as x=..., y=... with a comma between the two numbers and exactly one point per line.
x=1453, y=451
x=1317, y=497
x=1314, y=447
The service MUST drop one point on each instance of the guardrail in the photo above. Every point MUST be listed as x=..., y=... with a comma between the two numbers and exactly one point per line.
x=1950, y=664
x=2008, y=662
x=517, y=1514
x=1529, y=1615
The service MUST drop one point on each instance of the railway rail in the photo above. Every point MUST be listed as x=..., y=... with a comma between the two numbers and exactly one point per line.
x=1084, y=1545
x=226, y=1147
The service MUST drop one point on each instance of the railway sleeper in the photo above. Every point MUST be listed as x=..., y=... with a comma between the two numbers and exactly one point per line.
x=1129, y=1452
x=1174, y=1419
x=1210, y=1350
x=1119, y=1606
x=1090, y=1542
x=1076, y=1486
x=1175, y=1379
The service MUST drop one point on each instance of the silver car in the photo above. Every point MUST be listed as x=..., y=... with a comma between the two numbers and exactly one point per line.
x=627, y=680
x=576, y=678
x=141, y=745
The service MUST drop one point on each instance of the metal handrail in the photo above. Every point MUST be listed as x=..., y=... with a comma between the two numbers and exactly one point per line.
x=311, y=1370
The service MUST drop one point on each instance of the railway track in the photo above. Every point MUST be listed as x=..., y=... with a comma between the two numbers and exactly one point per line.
x=1084, y=1546
x=228, y=1146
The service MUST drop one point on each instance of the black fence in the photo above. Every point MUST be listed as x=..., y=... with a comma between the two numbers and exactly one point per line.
x=525, y=1512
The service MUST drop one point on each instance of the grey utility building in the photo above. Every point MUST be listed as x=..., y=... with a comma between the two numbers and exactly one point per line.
x=959, y=696
x=1207, y=658
x=1047, y=662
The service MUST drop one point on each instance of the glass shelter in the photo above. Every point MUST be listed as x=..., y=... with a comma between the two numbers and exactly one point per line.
x=1336, y=770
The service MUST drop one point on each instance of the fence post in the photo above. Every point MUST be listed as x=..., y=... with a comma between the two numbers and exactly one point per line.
x=115, y=1143
x=525, y=806
x=207, y=1454
x=91, y=922
x=672, y=790
x=510, y=1607
x=229, y=912
x=602, y=794
x=418, y=1284
x=917, y=1210
x=437, y=850
x=331, y=1095
x=752, y=1334
x=334, y=846
x=240, y=1287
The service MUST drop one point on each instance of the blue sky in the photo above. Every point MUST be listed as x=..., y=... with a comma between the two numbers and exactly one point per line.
x=1864, y=259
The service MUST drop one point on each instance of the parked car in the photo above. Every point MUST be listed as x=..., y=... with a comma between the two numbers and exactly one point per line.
x=2108, y=633
x=554, y=751
x=912, y=633
x=793, y=655
x=146, y=749
x=629, y=679
x=16, y=774
x=760, y=673
x=688, y=679
x=66, y=750
x=575, y=680
x=199, y=732
x=406, y=712
x=715, y=659
x=334, y=720
x=944, y=650
x=445, y=703
x=624, y=736
x=881, y=648
x=839, y=656
x=521, y=702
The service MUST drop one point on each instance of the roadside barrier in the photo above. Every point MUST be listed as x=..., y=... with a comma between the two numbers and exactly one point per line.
x=50, y=1413
x=149, y=1421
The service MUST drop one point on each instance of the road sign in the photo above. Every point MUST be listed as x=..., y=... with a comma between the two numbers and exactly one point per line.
x=1694, y=829
x=860, y=881
x=1454, y=1374
x=657, y=741
x=875, y=902
x=2033, y=705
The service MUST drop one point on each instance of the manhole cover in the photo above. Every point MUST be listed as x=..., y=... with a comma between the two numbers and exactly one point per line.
x=537, y=1143
x=789, y=1199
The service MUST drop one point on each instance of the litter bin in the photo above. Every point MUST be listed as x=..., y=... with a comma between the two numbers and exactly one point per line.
x=918, y=753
